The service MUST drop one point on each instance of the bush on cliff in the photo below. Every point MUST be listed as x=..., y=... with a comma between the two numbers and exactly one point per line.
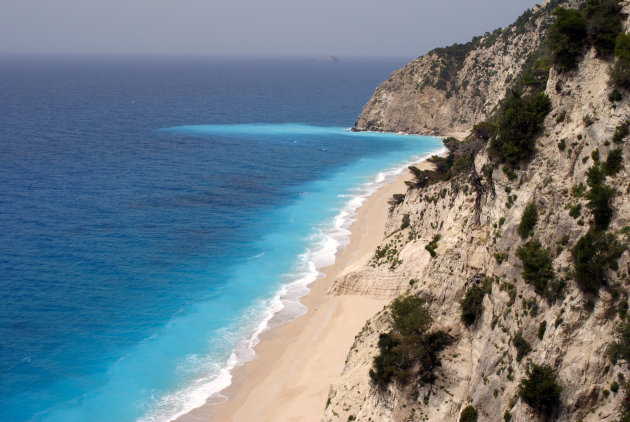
x=539, y=389
x=459, y=159
x=537, y=268
x=620, y=73
x=528, y=221
x=484, y=130
x=624, y=416
x=410, y=350
x=593, y=254
x=599, y=197
x=621, y=132
x=620, y=349
x=472, y=304
x=519, y=121
x=613, y=163
x=604, y=24
x=566, y=38
x=521, y=345
x=469, y=414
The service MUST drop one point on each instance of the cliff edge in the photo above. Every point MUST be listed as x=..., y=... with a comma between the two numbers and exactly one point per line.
x=450, y=89
x=522, y=266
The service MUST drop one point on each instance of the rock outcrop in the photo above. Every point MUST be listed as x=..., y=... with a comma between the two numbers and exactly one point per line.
x=450, y=89
x=477, y=221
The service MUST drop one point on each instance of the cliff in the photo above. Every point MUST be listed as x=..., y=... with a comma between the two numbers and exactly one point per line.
x=450, y=89
x=449, y=235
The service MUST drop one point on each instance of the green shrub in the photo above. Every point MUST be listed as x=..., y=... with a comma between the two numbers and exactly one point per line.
x=620, y=349
x=396, y=200
x=500, y=257
x=541, y=329
x=537, y=268
x=615, y=96
x=599, y=197
x=484, y=130
x=593, y=254
x=521, y=345
x=432, y=245
x=613, y=163
x=540, y=390
x=528, y=221
x=614, y=387
x=511, y=291
x=511, y=175
x=604, y=23
x=519, y=120
x=422, y=178
x=595, y=155
x=469, y=414
x=409, y=351
x=566, y=38
x=562, y=144
x=579, y=191
x=622, y=309
x=472, y=304
x=535, y=73
x=459, y=159
x=507, y=416
x=405, y=222
x=575, y=210
x=621, y=131
x=620, y=74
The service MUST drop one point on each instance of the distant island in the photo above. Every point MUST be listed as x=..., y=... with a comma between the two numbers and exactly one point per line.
x=328, y=59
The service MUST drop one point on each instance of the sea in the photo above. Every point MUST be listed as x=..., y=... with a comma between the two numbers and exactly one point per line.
x=156, y=214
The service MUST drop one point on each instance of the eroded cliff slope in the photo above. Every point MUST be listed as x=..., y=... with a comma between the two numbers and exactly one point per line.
x=446, y=237
x=450, y=89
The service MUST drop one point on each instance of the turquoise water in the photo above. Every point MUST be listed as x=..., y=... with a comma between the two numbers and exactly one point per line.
x=155, y=218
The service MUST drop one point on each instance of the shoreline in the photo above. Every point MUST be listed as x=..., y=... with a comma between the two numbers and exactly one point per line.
x=296, y=362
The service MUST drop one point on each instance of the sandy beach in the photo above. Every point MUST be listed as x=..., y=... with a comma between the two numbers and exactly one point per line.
x=296, y=363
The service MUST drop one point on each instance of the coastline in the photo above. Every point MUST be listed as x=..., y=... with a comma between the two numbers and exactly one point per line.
x=296, y=362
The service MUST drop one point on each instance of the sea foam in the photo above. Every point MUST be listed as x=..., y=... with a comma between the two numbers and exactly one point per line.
x=324, y=244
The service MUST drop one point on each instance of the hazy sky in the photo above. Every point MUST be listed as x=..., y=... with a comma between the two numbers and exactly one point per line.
x=405, y=28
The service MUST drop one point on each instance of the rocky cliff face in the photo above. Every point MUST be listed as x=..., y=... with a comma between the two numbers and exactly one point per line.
x=450, y=89
x=478, y=241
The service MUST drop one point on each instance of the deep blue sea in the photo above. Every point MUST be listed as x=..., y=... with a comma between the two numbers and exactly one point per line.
x=155, y=214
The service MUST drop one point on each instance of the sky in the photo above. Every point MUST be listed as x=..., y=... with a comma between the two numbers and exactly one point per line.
x=367, y=28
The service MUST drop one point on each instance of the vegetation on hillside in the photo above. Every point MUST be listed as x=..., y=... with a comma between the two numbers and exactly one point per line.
x=469, y=414
x=409, y=352
x=604, y=23
x=621, y=132
x=566, y=37
x=528, y=221
x=599, y=197
x=573, y=30
x=521, y=345
x=593, y=255
x=472, y=304
x=613, y=163
x=537, y=266
x=458, y=160
x=519, y=121
x=539, y=389
x=620, y=349
x=450, y=59
x=597, y=252
x=620, y=73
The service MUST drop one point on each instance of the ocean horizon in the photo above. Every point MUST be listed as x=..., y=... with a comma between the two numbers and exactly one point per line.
x=158, y=213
